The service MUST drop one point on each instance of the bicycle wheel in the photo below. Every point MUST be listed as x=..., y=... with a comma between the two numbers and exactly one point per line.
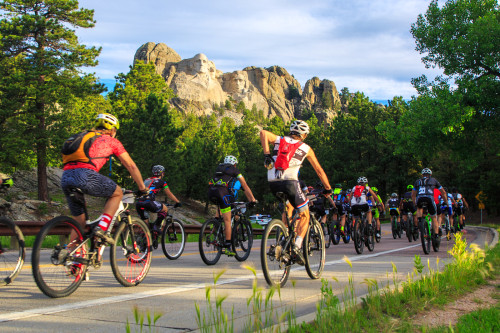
x=12, y=251
x=374, y=228
x=210, y=241
x=394, y=227
x=425, y=236
x=173, y=239
x=328, y=236
x=59, y=269
x=409, y=229
x=370, y=236
x=131, y=254
x=242, y=240
x=347, y=231
x=334, y=229
x=357, y=236
x=447, y=229
x=274, y=258
x=314, y=251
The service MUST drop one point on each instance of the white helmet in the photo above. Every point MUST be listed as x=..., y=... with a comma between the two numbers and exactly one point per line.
x=230, y=159
x=426, y=171
x=299, y=127
x=362, y=180
x=394, y=195
x=158, y=170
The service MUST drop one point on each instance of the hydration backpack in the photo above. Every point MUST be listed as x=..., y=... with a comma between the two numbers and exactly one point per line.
x=286, y=151
x=76, y=148
x=358, y=191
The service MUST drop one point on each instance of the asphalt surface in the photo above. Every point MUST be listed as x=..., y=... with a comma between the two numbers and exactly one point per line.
x=172, y=288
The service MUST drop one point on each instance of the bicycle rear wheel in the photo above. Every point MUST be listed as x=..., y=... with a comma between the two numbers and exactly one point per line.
x=326, y=232
x=347, y=231
x=357, y=236
x=275, y=254
x=173, y=239
x=409, y=228
x=425, y=236
x=131, y=254
x=242, y=240
x=314, y=251
x=211, y=241
x=394, y=227
x=59, y=269
x=12, y=251
x=370, y=236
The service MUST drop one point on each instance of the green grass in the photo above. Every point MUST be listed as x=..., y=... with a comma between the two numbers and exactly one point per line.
x=486, y=320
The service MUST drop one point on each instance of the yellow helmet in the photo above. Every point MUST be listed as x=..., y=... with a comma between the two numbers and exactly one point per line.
x=106, y=120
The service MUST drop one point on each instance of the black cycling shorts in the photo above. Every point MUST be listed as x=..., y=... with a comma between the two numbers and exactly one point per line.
x=293, y=192
x=394, y=211
x=221, y=196
x=148, y=206
x=340, y=209
x=431, y=205
x=408, y=207
x=90, y=182
x=458, y=210
x=356, y=210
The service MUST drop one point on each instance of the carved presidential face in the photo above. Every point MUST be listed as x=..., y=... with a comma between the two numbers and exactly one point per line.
x=200, y=63
x=240, y=81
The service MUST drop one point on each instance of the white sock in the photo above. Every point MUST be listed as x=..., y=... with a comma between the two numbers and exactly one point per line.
x=298, y=242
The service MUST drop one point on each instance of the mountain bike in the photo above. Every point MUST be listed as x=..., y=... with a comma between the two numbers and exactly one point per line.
x=212, y=235
x=326, y=226
x=276, y=251
x=347, y=228
x=334, y=230
x=63, y=250
x=425, y=226
x=12, y=251
x=447, y=227
x=173, y=235
x=395, y=227
x=363, y=234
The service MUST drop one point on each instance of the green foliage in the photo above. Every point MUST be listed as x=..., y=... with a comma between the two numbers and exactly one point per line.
x=293, y=92
x=139, y=321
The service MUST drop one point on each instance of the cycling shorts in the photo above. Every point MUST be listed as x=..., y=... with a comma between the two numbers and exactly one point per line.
x=293, y=193
x=445, y=209
x=431, y=205
x=376, y=212
x=356, y=210
x=148, y=206
x=409, y=207
x=458, y=210
x=90, y=182
x=340, y=209
x=394, y=211
x=221, y=196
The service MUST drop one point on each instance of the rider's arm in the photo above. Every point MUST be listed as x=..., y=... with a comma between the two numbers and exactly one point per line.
x=311, y=157
x=414, y=196
x=132, y=169
x=246, y=189
x=170, y=195
x=266, y=138
x=331, y=201
x=443, y=194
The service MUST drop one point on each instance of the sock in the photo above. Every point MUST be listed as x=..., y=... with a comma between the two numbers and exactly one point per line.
x=342, y=228
x=298, y=242
x=105, y=221
x=228, y=243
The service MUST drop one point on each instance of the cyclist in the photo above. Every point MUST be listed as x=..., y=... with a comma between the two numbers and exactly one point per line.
x=289, y=152
x=423, y=191
x=86, y=176
x=320, y=206
x=406, y=206
x=221, y=190
x=460, y=207
x=147, y=203
x=376, y=211
x=359, y=200
x=394, y=203
x=339, y=197
x=446, y=207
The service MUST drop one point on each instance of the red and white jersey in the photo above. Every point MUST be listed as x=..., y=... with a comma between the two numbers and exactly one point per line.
x=292, y=173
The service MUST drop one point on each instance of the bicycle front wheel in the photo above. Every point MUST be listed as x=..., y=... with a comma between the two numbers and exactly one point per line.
x=131, y=256
x=394, y=227
x=370, y=236
x=60, y=257
x=210, y=241
x=327, y=234
x=173, y=239
x=242, y=240
x=12, y=251
x=357, y=236
x=314, y=251
x=425, y=236
x=275, y=254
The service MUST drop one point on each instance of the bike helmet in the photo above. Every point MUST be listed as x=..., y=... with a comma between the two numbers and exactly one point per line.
x=299, y=127
x=362, y=180
x=158, y=170
x=338, y=186
x=426, y=171
x=394, y=195
x=106, y=120
x=230, y=159
x=409, y=187
x=375, y=189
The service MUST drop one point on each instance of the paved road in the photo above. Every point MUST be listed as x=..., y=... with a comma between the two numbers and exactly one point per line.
x=173, y=287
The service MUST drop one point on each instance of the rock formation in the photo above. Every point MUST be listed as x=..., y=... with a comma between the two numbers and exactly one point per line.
x=199, y=86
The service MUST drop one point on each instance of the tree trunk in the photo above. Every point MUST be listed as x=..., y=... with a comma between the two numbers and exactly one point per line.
x=41, y=154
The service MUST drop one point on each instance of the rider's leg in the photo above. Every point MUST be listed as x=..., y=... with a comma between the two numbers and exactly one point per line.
x=161, y=215
x=302, y=227
x=435, y=225
x=110, y=208
x=226, y=216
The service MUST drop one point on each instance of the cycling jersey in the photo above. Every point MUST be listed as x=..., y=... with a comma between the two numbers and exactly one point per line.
x=223, y=185
x=104, y=145
x=294, y=164
x=362, y=199
x=425, y=187
x=393, y=203
x=154, y=185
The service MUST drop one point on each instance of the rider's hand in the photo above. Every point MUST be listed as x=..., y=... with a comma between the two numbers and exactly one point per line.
x=268, y=161
x=327, y=192
x=178, y=204
x=252, y=204
x=140, y=193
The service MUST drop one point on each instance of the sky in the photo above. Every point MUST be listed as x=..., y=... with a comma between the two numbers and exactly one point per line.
x=364, y=45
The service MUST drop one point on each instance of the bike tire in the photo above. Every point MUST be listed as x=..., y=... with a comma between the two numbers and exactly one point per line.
x=409, y=229
x=131, y=253
x=347, y=231
x=275, y=260
x=211, y=241
x=173, y=239
x=12, y=254
x=314, y=251
x=242, y=240
x=56, y=271
x=394, y=227
x=425, y=236
x=357, y=234
x=328, y=235
x=370, y=237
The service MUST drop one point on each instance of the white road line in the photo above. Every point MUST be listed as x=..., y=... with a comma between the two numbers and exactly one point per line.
x=159, y=292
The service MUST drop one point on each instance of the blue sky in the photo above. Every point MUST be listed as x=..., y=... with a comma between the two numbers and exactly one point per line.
x=360, y=44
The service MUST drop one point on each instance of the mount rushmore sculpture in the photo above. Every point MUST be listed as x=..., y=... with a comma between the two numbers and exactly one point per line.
x=200, y=86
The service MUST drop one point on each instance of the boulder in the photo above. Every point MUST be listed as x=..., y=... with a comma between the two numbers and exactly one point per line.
x=159, y=54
